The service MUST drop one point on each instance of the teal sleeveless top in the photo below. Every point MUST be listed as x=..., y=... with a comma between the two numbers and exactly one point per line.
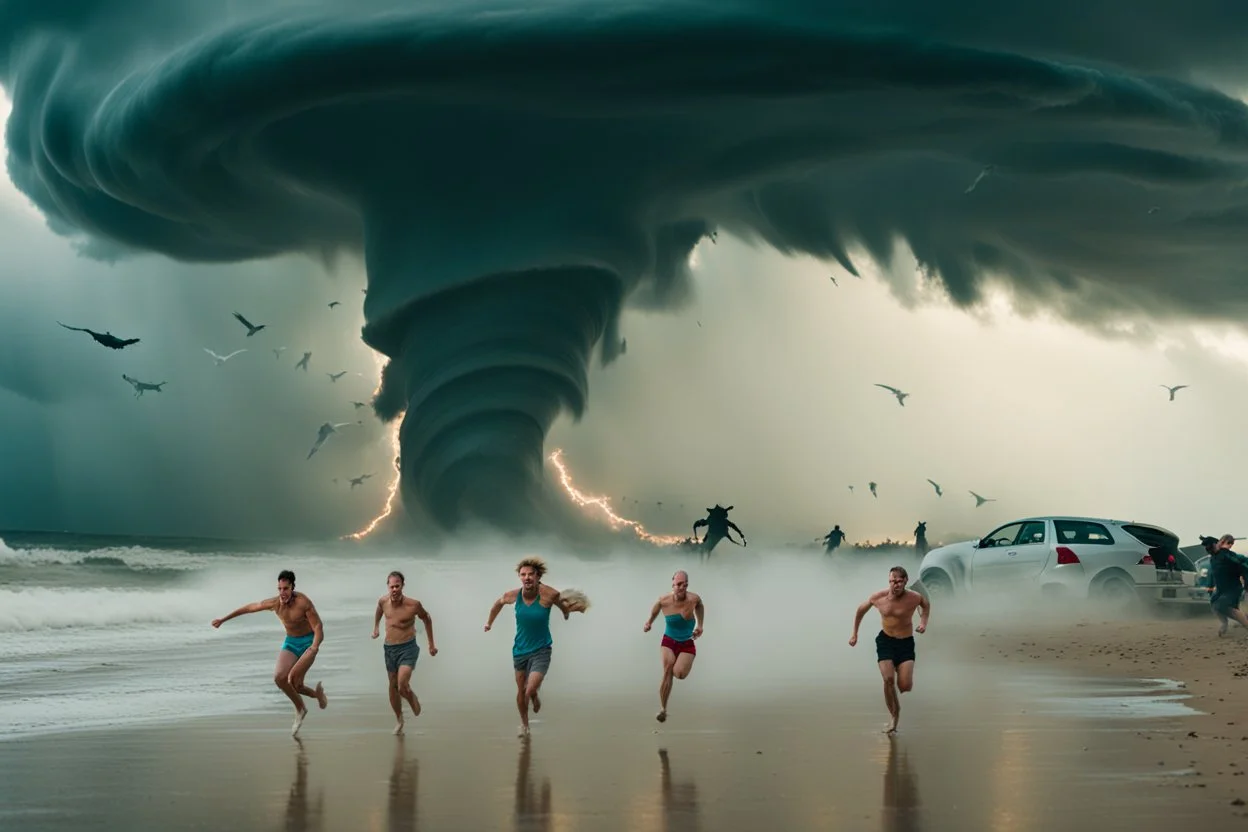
x=532, y=626
x=679, y=628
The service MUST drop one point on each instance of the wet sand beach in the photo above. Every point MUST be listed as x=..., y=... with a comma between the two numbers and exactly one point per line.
x=978, y=749
x=1211, y=748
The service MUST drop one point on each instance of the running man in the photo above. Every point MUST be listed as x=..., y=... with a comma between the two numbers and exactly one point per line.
x=304, y=635
x=685, y=616
x=1226, y=572
x=894, y=646
x=400, y=648
x=532, y=648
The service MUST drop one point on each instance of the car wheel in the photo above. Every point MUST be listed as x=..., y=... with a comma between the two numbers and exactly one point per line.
x=1117, y=593
x=938, y=586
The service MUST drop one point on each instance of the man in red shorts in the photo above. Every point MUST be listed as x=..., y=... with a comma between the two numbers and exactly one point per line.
x=685, y=617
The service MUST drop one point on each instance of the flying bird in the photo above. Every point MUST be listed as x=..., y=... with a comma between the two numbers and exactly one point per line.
x=358, y=480
x=851, y=489
x=871, y=485
x=979, y=501
x=277, y=353
x=107, y=339
x=983, y=173
x=358, y=405
x=324, y=432
x=833, y=279
x=1154, y=209
x=252, y=329
x=936, y=485
x=303, y=362
x=334, y=303
x=336, y=376
x=221, y=359
x=901, y=397
x=1174, y=389
x=140, y=386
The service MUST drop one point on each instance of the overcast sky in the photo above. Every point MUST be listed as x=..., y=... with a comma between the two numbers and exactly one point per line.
x=1051, y=305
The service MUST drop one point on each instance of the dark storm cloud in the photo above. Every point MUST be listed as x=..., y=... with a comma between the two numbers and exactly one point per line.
x=514, y=175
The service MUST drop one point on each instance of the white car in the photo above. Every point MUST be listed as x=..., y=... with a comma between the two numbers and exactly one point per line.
x=1082, y=557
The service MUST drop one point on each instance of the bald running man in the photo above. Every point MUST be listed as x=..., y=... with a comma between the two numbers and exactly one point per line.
x=685, y=617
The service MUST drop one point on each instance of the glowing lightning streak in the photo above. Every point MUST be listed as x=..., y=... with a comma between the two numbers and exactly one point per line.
x=601, y=503
x=394, y=483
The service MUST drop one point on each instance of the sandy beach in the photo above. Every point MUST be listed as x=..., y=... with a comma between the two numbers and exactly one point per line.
x=1211, y=750
x=973, y=753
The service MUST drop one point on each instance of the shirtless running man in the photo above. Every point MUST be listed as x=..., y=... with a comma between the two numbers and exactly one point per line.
x=685, y=616
x=304, y=634
x=400, y=648
x=894, y=646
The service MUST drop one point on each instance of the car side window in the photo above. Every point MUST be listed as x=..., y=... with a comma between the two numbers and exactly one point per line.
x=1082, y=532
x=1004, y=536
x=1033, y=532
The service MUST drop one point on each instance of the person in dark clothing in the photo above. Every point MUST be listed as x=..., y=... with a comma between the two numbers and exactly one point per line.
x=832, y=540
x=1226, y=572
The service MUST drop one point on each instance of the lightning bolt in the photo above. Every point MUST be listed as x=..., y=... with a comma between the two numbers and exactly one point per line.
x=394, y=483
x=604, y=506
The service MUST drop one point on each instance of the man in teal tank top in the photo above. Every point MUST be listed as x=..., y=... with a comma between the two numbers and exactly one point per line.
x=685, y=615
x=531, y=650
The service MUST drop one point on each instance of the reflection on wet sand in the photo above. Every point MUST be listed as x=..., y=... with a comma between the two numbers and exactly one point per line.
x=680, y=801
x=300, y=815
x=901, y=791
x=533, y=809
x=404, y=779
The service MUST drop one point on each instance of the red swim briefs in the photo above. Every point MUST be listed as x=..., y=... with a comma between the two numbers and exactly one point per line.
x=679, y=647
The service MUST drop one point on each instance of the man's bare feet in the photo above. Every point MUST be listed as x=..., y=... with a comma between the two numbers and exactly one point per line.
x=892, y=728
x=1222, y=629
x=301, y=714
x=321, y=698
x=523, y=732
x=537, y=703
x=398, y=729
x=661, y=716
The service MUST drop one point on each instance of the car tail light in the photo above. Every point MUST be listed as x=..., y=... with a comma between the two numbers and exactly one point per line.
x=1147, y=560
x=1066, y=556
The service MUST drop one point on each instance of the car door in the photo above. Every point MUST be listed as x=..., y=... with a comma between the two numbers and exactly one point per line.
x=1030, y=551
x=995, y=558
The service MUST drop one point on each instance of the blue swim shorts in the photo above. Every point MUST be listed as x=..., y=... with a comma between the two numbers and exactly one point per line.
x=298, y=644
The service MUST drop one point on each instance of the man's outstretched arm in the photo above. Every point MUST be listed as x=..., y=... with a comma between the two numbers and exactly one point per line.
x=258, y=606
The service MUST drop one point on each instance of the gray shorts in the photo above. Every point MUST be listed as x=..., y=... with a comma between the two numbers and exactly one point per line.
x=398, y=654
x=536, y=662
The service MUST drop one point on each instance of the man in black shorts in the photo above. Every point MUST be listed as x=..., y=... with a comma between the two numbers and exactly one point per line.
x=894, y=646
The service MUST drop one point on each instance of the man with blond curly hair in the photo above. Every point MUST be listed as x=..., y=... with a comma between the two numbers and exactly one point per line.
x=531, y=650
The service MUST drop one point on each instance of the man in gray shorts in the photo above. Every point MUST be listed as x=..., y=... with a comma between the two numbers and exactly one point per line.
x=400, y=648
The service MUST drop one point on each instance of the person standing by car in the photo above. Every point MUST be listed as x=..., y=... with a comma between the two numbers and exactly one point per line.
x=1226, y=572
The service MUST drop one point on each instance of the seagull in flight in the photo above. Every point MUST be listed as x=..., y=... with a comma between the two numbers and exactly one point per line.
x=140, y=386
x=303, y=362
x=983, y=173
x=324, y=432
x=334, y=303
x=252, y=329
x=336, y=376
x=936, y=485
x=221, y=359
x=871, y=485
x=833, y=279
x=1174, y=389
x=358, y=405
x=979, y=501
x=851, y=489
x=107, y=339
x=277, y=353
x=901, y=397
x=358, y=480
